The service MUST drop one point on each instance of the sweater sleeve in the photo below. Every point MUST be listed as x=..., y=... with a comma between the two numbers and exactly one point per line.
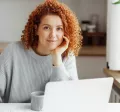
x=4, y=57
x=66, y=71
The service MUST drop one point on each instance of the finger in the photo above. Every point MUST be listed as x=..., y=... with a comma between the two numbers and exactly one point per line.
x=66, y=39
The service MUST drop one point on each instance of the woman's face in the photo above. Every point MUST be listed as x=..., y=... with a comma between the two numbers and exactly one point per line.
x=50, y=32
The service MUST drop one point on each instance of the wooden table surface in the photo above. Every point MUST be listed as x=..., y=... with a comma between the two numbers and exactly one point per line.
x=115, y=75
x=93, y=51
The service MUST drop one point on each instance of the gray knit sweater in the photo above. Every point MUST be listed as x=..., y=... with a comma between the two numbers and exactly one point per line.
x=23, y=71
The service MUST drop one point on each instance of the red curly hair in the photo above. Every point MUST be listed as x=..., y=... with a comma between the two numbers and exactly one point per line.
x=70, y=24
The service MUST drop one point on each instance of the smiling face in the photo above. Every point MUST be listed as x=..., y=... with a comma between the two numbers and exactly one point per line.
x=50, y=32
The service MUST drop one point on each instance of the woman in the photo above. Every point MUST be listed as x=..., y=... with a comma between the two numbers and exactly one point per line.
x=46, y=52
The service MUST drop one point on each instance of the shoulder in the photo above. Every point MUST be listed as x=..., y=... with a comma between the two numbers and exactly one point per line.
x=11, y=52
x=16, y=46
x=13, y=47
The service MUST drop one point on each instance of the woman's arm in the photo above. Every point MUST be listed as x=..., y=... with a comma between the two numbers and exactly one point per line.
x=2, y=76
x=2, y=85
x=65, y=71
x=5, y=56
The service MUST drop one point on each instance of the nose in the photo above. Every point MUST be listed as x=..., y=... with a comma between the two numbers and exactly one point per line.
x=53, y=34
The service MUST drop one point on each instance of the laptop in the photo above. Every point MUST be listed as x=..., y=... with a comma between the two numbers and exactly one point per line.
x=77, y=95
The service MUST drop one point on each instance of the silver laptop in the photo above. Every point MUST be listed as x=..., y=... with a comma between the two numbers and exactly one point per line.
x=75, y=95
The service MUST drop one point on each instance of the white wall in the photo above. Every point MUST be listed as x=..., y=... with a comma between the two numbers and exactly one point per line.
x=90, y=66
x=13, y=16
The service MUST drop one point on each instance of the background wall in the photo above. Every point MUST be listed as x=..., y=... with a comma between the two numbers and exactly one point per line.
x=14, y=14
x=13, y=17
x=90, y=66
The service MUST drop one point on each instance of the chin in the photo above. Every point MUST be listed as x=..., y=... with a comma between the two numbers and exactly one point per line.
x=52, y=47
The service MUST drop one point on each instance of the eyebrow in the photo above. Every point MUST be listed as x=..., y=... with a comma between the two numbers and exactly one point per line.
x=49, y=25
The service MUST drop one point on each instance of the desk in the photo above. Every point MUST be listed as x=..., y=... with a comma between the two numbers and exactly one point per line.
x=25, y=107
x=113, y=107
x=16, y=107
x=115, y=75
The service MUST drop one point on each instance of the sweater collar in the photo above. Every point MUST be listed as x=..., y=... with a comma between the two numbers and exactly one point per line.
x=38, y=57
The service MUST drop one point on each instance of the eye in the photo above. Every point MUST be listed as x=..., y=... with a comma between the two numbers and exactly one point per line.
x=59, y=29
x=46, y=28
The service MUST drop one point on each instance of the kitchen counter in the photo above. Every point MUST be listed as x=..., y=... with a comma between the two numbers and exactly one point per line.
x=93, y=51
x=114, y=74
x=85, y=50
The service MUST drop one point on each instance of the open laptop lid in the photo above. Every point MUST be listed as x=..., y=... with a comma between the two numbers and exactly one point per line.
x=73, y=94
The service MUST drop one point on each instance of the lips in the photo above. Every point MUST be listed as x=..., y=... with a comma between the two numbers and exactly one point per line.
x=51, y=40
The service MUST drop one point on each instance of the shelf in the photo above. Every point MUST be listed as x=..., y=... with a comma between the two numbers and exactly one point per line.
x=94, y=38
x=95, y=34
x=93, y=51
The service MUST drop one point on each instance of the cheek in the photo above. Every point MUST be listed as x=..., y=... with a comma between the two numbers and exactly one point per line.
x=61, y=37
x=43, y=33
x=60, y=40
x=43, y=36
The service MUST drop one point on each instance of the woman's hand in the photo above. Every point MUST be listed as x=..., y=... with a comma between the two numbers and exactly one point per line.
x=56, y=53
x=63, y=46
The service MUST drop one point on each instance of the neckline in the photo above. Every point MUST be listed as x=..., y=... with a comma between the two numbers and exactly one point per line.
x=37, y=56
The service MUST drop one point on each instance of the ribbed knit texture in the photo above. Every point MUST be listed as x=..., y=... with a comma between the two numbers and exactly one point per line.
x=23, y=71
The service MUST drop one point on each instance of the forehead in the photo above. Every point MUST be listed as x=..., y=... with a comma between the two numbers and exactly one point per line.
x=51, y=20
